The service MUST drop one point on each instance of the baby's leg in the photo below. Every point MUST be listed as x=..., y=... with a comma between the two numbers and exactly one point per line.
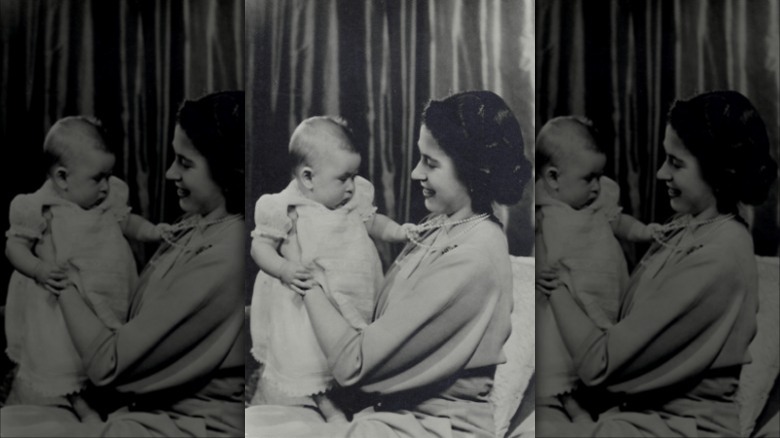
x=83, y=409
x=329, y=409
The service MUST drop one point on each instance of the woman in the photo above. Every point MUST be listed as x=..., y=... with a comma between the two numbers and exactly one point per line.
x=670, y=366
x=425, y=365
x=176, y=367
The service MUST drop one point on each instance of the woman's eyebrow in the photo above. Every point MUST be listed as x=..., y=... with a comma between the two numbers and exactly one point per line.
x=429, y=158
x=183, y=157
x=673, y=157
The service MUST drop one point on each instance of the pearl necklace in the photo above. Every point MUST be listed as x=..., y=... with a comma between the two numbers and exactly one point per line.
x=169, y=235
x=685, y=222
x=412, y=234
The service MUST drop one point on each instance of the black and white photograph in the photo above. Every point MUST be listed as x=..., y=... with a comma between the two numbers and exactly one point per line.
x=656, y=215
x=123, y=214
x=390, y=218
x=389, y=169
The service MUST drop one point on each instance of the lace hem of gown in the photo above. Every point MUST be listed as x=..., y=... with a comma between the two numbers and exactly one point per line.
x=51, y=386
x=299, y=386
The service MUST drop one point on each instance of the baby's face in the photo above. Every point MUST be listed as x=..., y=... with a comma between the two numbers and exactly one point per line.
x=87, y=177
x=578, y=178
x=333, y=178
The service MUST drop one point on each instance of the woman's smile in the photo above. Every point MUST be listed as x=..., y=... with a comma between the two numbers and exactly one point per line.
x=443, y=191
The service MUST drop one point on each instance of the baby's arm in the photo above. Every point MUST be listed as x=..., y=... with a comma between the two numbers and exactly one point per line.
x=139, y=228
x=383, y=228
x=19, y=252
x=632, y=229
x=290, y=273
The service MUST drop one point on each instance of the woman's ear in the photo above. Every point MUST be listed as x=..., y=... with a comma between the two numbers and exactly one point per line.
x=550, y=176
x=60, y=177
x=307, y=176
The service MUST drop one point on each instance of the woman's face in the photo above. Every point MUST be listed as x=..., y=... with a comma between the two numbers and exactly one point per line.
x=195, y=187
x=443, y=191
x=687, y=190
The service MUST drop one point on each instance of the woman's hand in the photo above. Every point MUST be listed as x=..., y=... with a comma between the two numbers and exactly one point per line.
x=296, y=277
x=546, y=279
x=53, y=278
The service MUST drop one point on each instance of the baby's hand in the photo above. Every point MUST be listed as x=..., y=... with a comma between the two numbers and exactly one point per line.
x=161, y=229
x=406, y=231
x=296, y=277
x=52, y=277
x=652, y=230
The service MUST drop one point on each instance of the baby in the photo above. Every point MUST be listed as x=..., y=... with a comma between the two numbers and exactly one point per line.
x=577, y=220
x=315, y=230
x=69, y=232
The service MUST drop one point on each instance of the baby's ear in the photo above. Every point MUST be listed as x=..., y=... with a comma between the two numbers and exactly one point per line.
x=550, y=176
x=306, y=175
x=60, y=177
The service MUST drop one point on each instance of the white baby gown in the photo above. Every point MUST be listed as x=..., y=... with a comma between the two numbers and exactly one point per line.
x=348, y=268
x=582, y=243
x=101, y=265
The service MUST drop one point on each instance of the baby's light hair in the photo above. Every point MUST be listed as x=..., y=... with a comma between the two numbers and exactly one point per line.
x=317, y=135
x=561, y=136
x=69, y=136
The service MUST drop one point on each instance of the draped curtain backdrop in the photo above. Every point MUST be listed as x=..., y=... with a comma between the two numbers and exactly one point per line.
x=376, y=64
x=622, y=63
x=130, y=63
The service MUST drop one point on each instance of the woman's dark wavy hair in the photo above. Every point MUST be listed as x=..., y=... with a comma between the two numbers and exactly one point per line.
x=481, y=135
x=727, y=136
x=215, y=124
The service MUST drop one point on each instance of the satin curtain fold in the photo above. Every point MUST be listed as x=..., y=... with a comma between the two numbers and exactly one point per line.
x=130, y=63
x=622, y=63
x=376, y=64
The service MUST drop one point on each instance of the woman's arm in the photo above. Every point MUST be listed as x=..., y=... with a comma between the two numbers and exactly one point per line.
x=428, y=332
x=184, y=329
x=674, y=331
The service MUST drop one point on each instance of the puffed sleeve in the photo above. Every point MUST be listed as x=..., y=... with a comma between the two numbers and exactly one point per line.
x=26, y=217
x=364, y=198
x=118, y=197
x=180, y=335
x=688, y=316
x=608, y=202
x=271, y=219
x=454, y=313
